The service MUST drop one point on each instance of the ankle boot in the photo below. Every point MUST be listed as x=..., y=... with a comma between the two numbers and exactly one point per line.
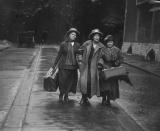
x=61, y=98
x=66, y=99
x=84, y=99
x=104, y=100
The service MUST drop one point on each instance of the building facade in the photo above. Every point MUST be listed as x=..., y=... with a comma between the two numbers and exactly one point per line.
x=142, y=28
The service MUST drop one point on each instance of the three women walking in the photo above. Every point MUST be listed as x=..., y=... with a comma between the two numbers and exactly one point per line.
x=94, y=57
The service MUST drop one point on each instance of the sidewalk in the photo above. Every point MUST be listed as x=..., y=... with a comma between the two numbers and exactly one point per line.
x=13, y=70
x=140, y=63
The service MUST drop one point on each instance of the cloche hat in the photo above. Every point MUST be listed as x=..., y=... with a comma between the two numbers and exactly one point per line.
x=95, y=31
x=72, y=30
x=108, y=38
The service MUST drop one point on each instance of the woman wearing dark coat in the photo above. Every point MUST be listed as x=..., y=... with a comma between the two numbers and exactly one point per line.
x=110, y=88
x=67, y=64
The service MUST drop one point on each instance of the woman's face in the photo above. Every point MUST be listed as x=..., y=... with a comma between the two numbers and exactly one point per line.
x=72, y=36
x=96, y=37
x=110, y=43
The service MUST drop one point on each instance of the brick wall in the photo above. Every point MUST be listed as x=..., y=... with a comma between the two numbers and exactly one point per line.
x=142, y=49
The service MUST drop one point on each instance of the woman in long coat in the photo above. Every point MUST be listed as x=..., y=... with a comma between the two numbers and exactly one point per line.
x=67, y=64
x=89, y=74
x=110, y=88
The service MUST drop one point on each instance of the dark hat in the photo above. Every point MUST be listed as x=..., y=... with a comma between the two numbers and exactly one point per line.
x=72, y=30
x=95, y=31
x=108, y=38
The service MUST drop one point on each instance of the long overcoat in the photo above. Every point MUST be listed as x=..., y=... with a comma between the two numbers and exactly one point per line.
x=98, y=53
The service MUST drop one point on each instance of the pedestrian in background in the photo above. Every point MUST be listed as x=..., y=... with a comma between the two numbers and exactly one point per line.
x=67, y=75
x=110, y=88
x=89, y=75
x=44, y=37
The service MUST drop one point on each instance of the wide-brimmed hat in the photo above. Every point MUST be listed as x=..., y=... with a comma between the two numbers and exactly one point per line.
x=95, y=31
x=108, y=38
x=72, y=30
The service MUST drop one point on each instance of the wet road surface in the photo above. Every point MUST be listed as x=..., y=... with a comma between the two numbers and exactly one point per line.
x=44, y=113
x=37, y=110
x=142, y=101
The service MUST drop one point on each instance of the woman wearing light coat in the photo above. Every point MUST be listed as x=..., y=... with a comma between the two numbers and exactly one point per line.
x=92, y=52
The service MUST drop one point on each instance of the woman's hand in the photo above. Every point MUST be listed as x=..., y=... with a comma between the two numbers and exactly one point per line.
x=117, y=63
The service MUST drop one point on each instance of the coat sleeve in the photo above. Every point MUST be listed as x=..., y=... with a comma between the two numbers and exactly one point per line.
x=105, y=55
x=58, y=56
x=82, y=48
x=120, y=56
x=78, y=51
x=104, y=58
x=119, y=59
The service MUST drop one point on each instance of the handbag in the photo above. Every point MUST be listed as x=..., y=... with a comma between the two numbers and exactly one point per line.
x=114, y=72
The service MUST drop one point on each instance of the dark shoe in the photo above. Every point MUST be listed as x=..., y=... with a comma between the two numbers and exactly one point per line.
x=66, y=99
x=108, y=103
x=104, y=102
x=86, y=101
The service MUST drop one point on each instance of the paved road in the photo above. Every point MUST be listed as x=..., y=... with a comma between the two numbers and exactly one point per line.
x=142, y=100
x=36, y=110
x=46, y=114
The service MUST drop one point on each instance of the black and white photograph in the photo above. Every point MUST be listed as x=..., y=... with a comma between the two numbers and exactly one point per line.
x=79, y=65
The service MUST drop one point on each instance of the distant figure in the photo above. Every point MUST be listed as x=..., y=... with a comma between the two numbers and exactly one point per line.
x=44, y=37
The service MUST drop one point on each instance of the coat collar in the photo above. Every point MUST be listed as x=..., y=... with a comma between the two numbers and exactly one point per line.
x=99, y=45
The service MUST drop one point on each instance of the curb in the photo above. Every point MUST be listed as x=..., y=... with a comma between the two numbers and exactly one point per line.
x=142, y=69
x=130, y=116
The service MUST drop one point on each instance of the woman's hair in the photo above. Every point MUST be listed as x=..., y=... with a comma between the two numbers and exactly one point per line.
x=66, y=37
